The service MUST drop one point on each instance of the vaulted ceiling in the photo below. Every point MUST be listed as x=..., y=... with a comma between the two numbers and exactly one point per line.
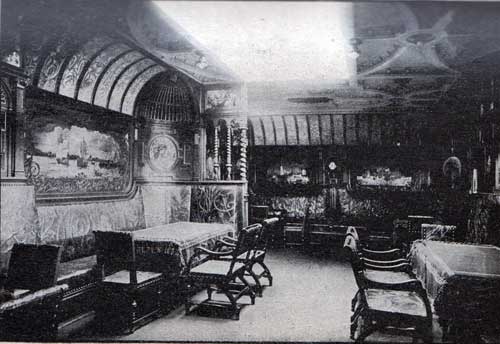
x=102, y=53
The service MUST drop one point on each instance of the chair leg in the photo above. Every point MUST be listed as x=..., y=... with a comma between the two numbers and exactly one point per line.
x=258, y=286
x=251, y=293
x=187, y=299
x=234, y=305
x=267, y=272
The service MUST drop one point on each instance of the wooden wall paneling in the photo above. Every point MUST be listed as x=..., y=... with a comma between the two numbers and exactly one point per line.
x=363, y=129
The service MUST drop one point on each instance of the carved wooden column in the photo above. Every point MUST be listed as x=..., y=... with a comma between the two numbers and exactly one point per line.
x=243, y=154
x=229, y=166
x=216, y=153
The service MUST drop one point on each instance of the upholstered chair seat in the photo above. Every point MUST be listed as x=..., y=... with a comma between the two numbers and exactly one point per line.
x=396, y=301
x=123, y=277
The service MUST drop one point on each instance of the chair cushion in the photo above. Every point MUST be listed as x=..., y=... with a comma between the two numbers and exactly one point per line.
x=123, y=277
x=395, y=301
x=387, y=276
x=216, y=267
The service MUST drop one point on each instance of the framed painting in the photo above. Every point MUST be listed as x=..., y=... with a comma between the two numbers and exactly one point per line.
x=79, y=155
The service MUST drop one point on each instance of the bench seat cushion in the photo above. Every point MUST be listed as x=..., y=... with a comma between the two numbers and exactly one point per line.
x=78, y=272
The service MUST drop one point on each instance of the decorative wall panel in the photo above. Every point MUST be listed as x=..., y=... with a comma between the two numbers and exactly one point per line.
x=135, y=88
x=166, y=204
x=124, y=81
x=96, y=68
x=214, y=203
x=78, y=155
x=257, y=131
x=114, y=70
x=63, y=223
x=18, y=220
x=77, y=63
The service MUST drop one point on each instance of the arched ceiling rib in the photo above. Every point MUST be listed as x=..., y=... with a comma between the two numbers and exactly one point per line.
x=103, y=71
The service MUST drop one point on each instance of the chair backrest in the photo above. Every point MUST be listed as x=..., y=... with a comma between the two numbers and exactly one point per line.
x=247, y=241
x=116, y=251
x=268, y=229
x=351, y=246
x=259, y=212
x=33, y=267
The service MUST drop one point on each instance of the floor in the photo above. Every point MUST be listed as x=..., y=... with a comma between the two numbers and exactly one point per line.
x=309, y=301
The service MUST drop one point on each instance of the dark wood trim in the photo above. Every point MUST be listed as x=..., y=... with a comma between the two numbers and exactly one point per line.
x=263, y=130
x=274, y=130
x=133, y=80
x=320, y=129
x=124, y=70
x=105, y=69
x=285, y=129
x=87, y=66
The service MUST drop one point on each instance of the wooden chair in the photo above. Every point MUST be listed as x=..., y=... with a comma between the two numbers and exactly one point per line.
x=31, y=297
x=371, y=273
x=129, y=297
x=217, y=273
x=258, y=213
x=396, y=304
x=361, y=237
x=257, y=254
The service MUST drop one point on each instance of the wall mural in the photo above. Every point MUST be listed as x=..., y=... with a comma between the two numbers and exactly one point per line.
x=385, y=177
x=77, y=158
x=213, y=204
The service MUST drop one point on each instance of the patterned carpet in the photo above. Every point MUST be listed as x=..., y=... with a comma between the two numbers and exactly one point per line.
x=309, y=301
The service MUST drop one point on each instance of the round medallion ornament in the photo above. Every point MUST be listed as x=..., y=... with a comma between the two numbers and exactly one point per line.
x=163, y=153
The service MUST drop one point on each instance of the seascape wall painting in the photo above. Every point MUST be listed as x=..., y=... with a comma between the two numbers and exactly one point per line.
x=66, y=159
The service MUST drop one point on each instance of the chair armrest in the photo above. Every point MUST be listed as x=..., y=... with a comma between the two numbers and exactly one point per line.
x=228, y=238
x=226, y=243
x=411, y=284
x=36, y=296
x=204, y=250
x=403, y=267
x=384, y=262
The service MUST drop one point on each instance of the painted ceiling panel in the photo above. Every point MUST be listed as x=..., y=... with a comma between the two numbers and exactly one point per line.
x=280, y=130
x=338, y=130
x=291, y=130
x=136, y=86
x=113, y=71
x=257, y=131
x=77, y=63
x=124, y=81
x=52, y=65
x=268, y=130
x=95, y=69
x=314, y=129
x=303, y=133
x=326, y=129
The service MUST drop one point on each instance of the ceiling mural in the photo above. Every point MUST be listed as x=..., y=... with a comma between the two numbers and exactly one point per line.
x=416, y=52
x=105, y=57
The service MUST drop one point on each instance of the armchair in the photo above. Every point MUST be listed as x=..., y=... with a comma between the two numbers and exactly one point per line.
x=217, y=273
x=388, y=299
x=257, y=254
x=128, y=297
x=389, y=254
x=31, y=297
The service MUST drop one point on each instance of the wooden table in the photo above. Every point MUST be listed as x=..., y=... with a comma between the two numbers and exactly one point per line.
x=168, y=248
x=463, y=281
